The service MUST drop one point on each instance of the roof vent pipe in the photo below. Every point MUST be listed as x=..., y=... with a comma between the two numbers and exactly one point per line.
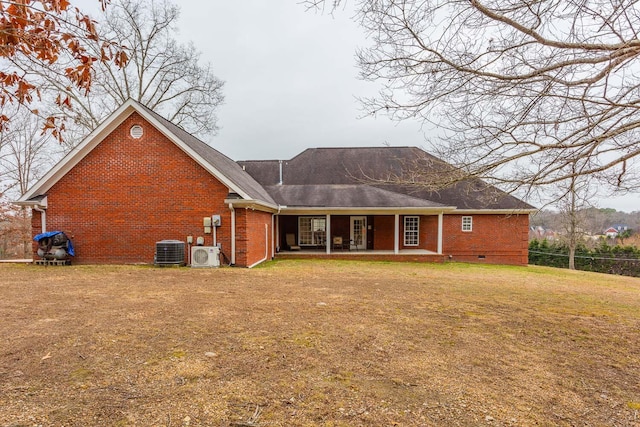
x=280, y=162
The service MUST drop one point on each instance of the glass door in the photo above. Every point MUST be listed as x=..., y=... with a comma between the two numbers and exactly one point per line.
x=358, y=233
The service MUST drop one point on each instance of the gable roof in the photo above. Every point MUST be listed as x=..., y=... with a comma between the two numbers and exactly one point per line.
x=369, y=167
x=217, y=164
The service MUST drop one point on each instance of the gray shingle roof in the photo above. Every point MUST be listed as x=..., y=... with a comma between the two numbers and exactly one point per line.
x=318, y=167
x=229, y=168
x=343, y=196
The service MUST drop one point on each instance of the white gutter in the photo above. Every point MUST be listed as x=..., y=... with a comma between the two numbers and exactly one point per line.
x=39, y=206
x=493, y=211
x=254, y=204
x=368, y=210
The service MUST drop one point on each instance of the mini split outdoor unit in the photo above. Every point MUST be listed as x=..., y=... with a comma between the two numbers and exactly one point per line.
x=205, y=256
x=169, y=252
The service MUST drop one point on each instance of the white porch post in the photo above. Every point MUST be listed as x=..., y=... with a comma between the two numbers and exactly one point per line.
x=440, y=226
x=233, y=234
x=396, y=235
x=328, y=234
x=273, y=236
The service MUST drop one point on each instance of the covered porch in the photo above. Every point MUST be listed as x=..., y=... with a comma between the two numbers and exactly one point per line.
x=365, y=233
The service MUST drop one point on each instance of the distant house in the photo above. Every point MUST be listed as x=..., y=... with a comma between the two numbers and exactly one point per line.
x=615, y=230
x=541, y=233
x=138, y=179
x=611, y=232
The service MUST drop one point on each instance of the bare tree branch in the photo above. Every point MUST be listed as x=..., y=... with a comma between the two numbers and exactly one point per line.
x=161, y=73
x=520, y=92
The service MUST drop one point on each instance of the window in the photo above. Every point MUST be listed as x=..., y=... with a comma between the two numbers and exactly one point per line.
x=467, y=223
x=411, y=230
x=312, y=230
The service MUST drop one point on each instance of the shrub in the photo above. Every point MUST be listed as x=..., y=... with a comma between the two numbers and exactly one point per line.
x=622, y=260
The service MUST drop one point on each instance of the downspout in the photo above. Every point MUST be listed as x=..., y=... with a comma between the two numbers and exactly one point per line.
x=43, y=217
x=233, y=235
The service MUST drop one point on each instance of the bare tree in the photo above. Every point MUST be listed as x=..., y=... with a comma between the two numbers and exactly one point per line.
x=573, y=200
x=161, y=73
x=519, y=90
x=25, y=151
x=25, y=156
x=56, y=35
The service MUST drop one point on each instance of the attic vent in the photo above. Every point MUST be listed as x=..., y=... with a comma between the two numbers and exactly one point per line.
x=136, y=131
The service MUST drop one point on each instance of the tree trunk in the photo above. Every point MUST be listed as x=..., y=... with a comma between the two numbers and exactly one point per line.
x=572, y=256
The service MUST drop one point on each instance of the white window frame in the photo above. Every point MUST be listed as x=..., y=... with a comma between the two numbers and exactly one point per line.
x=312, y=230
x=467, y=224
x=411, y=231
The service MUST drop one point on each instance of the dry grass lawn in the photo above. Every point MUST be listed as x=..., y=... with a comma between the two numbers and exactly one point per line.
x=318, y=343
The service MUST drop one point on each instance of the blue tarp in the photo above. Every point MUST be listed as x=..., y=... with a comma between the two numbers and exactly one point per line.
x=41, y=236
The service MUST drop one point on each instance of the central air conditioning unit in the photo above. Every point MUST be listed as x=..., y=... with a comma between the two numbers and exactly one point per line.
x=169, y=252
x=205, y=256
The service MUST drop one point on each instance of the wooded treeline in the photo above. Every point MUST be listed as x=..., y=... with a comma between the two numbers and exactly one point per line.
x=594, y=221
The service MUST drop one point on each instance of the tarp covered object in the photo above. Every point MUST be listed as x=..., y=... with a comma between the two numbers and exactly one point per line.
x=41, y=236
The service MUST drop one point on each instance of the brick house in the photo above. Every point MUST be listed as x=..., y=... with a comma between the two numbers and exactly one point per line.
x=138, y=179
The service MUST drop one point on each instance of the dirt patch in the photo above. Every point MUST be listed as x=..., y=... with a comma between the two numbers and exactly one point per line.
x=318, y=343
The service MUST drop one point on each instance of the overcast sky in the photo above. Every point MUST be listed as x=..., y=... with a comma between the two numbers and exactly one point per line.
x=292, y=81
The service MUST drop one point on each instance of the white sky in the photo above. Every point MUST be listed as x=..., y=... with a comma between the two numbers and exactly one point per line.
x=291, y=81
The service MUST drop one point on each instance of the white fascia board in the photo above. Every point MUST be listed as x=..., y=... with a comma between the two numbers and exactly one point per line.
x=253, y=204
x=42, y=203
x=494, y=211
x=366, y=210
x=100, y=133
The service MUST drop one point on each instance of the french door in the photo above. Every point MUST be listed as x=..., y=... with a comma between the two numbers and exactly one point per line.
x=358, y=233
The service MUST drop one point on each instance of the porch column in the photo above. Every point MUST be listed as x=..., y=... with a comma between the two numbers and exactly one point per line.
x=328, y=234
x=440, y=221
x=396, y=235
x=233, y=234
x=273, y=236
x=276, y=236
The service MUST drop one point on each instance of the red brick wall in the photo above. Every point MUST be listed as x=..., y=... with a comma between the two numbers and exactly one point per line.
x=254, y=240
x=501, y=239
x=429, y=232
x=340, y=227
x=127, y=194
x=383, y=232
x=36, y=228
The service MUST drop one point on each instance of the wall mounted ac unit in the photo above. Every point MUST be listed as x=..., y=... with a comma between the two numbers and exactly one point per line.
x=205, y=256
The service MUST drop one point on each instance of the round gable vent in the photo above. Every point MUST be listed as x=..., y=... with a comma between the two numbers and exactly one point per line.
x=136, y=131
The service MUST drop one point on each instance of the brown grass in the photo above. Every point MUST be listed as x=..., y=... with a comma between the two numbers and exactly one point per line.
x=317, y=343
